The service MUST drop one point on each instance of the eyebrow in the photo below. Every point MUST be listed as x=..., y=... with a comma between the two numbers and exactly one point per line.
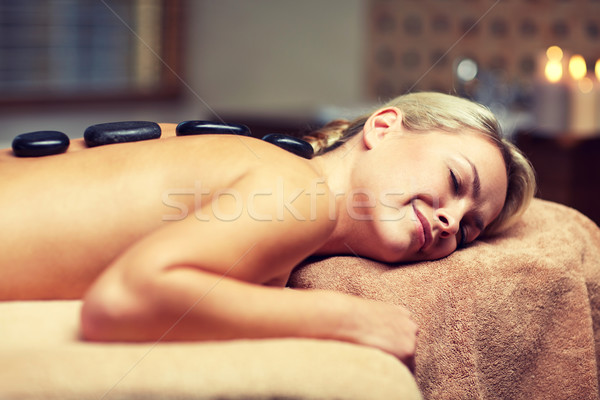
x=478, y=220
x=476, y=181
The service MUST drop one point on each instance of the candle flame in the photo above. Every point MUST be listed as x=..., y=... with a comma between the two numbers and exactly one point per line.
x=586, y=85
x=553, y=71
x=577, y=67
x=554, y=53
x=598, y=69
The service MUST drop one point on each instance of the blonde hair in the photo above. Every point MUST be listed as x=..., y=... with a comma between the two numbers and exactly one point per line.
x=436, y=111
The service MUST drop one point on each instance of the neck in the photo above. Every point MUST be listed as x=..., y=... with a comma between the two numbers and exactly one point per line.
x=336, y=168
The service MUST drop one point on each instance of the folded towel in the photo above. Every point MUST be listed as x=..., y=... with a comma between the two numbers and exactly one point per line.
x=516, y=316
x=42, y=358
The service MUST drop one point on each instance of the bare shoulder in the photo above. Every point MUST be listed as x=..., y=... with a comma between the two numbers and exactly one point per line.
x=295, y=193
x=282, y=208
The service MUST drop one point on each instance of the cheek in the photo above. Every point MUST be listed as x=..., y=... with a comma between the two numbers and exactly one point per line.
x=425, y=180
x=393, y=238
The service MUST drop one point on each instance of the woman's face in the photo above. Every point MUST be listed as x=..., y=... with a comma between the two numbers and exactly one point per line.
x=434, y=191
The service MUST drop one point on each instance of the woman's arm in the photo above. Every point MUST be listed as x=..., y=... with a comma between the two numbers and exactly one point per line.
x=202, y=278
x=190, y=304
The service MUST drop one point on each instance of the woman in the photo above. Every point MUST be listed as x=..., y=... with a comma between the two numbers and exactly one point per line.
x=193, y=238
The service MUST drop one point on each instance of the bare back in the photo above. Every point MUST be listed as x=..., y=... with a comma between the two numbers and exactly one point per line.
x=65, y=218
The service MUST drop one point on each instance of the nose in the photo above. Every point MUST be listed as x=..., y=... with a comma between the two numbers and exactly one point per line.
x=449, y=222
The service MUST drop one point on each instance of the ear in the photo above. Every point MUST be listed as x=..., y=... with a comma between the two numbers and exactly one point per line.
x=380, y=124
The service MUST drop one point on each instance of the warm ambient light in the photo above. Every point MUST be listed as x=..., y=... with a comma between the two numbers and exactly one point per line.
x=554, y=53
x=553, y=71
x=577, y=67
x=586, y=85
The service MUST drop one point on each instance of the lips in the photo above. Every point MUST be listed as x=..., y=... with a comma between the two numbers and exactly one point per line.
x=424, y=231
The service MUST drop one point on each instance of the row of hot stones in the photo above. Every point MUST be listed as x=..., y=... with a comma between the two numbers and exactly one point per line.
x=44, y=143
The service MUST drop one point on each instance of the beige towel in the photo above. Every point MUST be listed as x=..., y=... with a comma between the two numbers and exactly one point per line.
x=41, y=358
x=513, y=317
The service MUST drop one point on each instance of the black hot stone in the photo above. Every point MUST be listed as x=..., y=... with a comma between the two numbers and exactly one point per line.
x=294, y=145
x=120, y=132
x=207, y=127
x=40, y=143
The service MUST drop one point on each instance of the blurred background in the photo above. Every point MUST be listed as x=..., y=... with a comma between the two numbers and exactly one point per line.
x=68, y=64
x=288, y=66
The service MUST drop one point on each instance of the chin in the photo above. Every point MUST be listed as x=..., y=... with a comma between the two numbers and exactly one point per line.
x=392, y=253
x=391, y=259
x=393, y=250
x=429, y=256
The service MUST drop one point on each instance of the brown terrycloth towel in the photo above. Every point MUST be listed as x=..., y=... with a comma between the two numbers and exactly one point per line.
x=512, y=317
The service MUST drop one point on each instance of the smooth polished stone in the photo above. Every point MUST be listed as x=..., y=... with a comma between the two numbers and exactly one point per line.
x=208, y=127
x=40, y=143
x=292, y=144
x=120, y=132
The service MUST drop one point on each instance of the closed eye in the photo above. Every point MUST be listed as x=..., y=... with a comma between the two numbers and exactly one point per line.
x=461, y=235
x=455, y=183
x=462, y=240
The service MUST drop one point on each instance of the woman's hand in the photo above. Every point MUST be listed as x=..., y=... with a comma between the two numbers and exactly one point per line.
x=371, y=323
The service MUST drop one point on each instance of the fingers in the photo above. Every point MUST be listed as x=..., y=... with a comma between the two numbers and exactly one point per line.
x=409, y=345
x=403, y=336
x=410, y=363
x=386, y=327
